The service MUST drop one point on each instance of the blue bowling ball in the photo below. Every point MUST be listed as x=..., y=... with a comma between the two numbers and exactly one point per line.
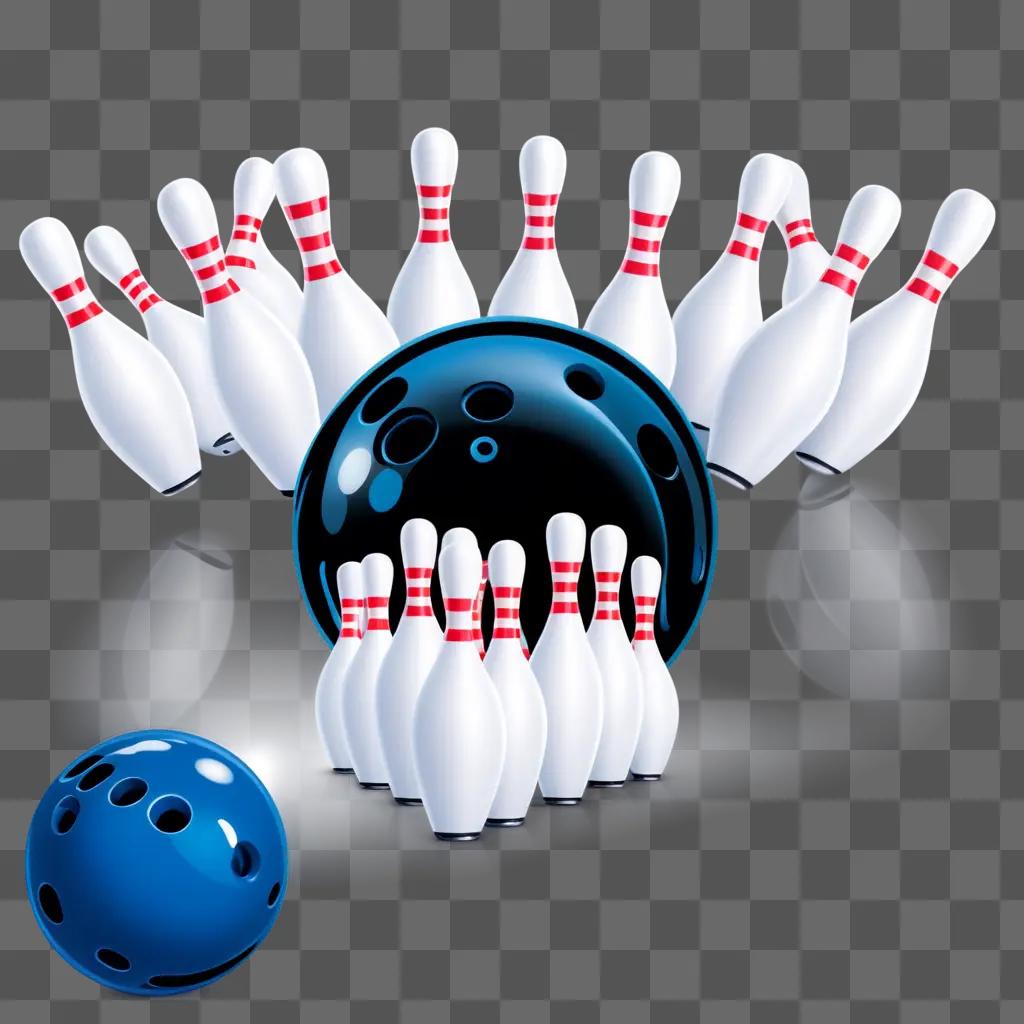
x=497, y=424
x=156, y=862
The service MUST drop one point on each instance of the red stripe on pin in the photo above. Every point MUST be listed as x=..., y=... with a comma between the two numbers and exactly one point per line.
x=418, y=610
x=529, y=242
x=205, y=273
x=924, y=289
x=851, y=255
x=639, y=268
x=507, y=592
x=434, y=213
x=434, y=191
x=804, y=222
x=936, y=261
x=192, y=252
x=69, y=290
x=607, y=577
x=351, y=602
x=505, y=633
x=645, y=244
x=458, y=604
x=149, y=300
x=796, y=240
x=644, y=601
x=223, y=291
x=540, y=198
x=244, y=236
x=750, y=252
x=128, y=278
x=417, y=572
x=246, y=220
x=744, y=220
x=240, y=261
x=643, y=634
x=648, y=220
x=376, y=624
x=459, y=635
x=376, y=602
x=299, y=210
x=310, y=243
x=840, y=281
x=602, y=614
x=540, y=220
x=565, y=566
x=79, y=316
x=321, y=270
x=506, y=613
x=564, y=608
x=427, y=235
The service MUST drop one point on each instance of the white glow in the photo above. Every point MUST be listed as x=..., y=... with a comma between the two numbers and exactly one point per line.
x=229, y=833
x=144, y=746
x=215, y=771
x=354, y=470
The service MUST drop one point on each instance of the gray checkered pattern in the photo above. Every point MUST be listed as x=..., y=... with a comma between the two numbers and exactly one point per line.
x=841, y=835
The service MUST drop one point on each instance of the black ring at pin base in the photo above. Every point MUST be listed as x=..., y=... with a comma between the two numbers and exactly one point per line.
x=641, y=777
x=409, y=801
x=601, y=784
x=374, y=785
x=289, y=494
x=184, y=483
x=561, y=801
x=730, y=476
x=815, y=461
x=344, y=771
x=700, y=426
x=457, y=837
x=504, y=822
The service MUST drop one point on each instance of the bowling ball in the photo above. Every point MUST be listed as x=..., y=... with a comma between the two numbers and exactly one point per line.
x=156, y=862
x=497, y=424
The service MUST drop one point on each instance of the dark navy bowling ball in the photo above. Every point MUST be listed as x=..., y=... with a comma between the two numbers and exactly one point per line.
x=497, y=424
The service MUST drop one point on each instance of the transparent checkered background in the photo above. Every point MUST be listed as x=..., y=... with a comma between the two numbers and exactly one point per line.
x=840, y=835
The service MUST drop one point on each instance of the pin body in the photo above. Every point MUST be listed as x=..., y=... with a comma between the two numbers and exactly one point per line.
x=889, y=345
x=622, y=687
x=256, y=269
x=632, y=312
x=526, y=722
x=179, y=334
x=807, y=258
x=129, y=390
x=535, y=284
x=567, y=671
x=432, y=289
x=408, y=661
x=661, y=703
x=327, y=702
x=458, y=726
x=787, y=375
x=262, y=375
x=723, y=309
x=341, y=329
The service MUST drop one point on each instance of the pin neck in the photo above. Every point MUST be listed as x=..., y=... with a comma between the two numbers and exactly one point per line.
x=139, y=290
x=747, y=237
x=417, y=592
x=242, y=246
x=539, y=232
x=799, y=232
x=644, y=632
x=606, y=605
x=434, y=201
x=206, y=261
x=506, y=613
x=478, y=610
x=310, y=222
x=933, y=276
x=76, y=302
x=378, y=614
x=459, y=620
x=351, y=615
x=643, y=251
x=564, y=579
x=846, y=269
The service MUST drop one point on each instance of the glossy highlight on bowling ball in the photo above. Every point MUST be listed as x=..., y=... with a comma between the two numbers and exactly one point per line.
x=156, y=862
x=497, y=425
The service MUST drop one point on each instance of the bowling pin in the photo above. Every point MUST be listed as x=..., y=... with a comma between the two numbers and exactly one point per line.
x=432, y=289
x=463, y=535
x=888, y=349
x=359, y=688
x=408, y=661
x=178, y=333
x=632, y=312
x=458, y=732
x=567, y=671
x=526, y=721
x=787, y=375
x=723, y=308
x=130, y=392
x=620, y=674
x=262, y=375
x=253, y=266
x=535, y=284
x=661, y=703
x=327, y=703
x=807, y=257
x=342, y=330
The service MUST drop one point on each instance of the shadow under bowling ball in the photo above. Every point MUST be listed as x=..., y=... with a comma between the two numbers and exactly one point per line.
x=497, y=424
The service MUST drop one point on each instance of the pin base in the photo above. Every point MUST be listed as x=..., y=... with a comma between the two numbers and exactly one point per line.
x=343, y=771
x=457, y=837
x=409, y=801
x=818, y=465
x=601, y=784
x=640, y=777
x=561, y=801
x=729, y=476
x=184, y=483
x=504, y=822
x=374, y=785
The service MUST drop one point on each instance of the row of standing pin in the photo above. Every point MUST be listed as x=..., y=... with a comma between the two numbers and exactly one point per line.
x=470, y=734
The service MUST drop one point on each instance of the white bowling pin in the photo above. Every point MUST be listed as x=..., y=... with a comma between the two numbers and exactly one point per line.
x=661, y=703
x=723, y=308
x=567, y=671
x=526, y=720
x=807, y=257
x=342, y=330
x=359, y=688
x=253, y=266
x=178, y=333
x=888, y=349
x=632, y=312
x=432, y=289
x=408, y=661
x=327, y=702
x=458, y=732
x=787, y=375
x=465, y=536
x=130, y=393
x=262, y=375
x=535, y=284
x=620, y=674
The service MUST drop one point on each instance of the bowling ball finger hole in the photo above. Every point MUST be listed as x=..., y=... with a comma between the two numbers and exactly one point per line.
x=384, y=399
x=170, y=814
x=95, y=775
x=408, y=438
x=114, y=960
x=65, y=814
x=657, y=452
x=50, y=905
x=81, y=766
x=585, y=382
x=245, y=860
x=128, y=792
x=484, y=449
x=487, y=402
x=275, y=891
